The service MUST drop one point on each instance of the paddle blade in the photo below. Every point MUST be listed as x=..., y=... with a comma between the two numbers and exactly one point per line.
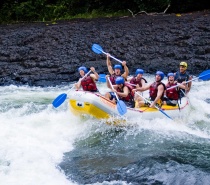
x=121, y=107
x=59, y=100
x=205, y=75
x=97, y=49
x=102, y=78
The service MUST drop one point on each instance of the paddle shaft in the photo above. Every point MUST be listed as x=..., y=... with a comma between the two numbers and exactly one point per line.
x=121, y=107
x=154, y=106
x=113, y=89
x=83, y=77
x=79, y=80
x=62, y=97
x=146, y=99
x=111, y=56
x=188, y=81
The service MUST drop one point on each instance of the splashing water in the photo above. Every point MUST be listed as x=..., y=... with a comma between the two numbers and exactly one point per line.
x=43, y=145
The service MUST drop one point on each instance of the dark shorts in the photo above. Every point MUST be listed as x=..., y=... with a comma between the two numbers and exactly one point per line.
x=181, y=94
x=113, y=96
x=170, y=102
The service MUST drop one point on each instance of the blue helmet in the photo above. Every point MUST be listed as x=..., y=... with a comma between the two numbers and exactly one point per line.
x=119, y=80
x=117, y=66
x=83, y=68
x=170, y=74
x=139, y=71
x=161, y=74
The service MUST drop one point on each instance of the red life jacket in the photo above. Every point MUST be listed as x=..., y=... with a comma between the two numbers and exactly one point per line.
x=172, y=93
x=88, y=84
x=154, y=89
x=137, y=81
x=130, y=94
x=113, y=78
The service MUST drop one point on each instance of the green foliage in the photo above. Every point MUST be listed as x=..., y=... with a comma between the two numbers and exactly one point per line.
x=152, y=5
x=99, y=13
x=189, y=5
x=50, y=10
x=25, y=11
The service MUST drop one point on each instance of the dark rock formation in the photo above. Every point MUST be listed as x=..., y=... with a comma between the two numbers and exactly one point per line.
x=44, y=54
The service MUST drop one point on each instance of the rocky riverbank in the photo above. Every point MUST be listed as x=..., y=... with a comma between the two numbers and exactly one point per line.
x=46, y=54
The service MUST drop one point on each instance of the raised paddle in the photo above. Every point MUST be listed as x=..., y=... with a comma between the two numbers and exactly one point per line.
x=205, y=75
x=155, y=106
x=98, y=49
x=102, y=78
x=121, y=107
x=62, y=97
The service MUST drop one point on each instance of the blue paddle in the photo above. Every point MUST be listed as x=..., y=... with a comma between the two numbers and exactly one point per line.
x=121, y=107
x=155, y=106
x=98, y=49
x=62, y=97
x=102, y=78
x=205, y=75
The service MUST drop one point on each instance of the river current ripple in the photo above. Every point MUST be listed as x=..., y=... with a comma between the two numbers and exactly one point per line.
x=43, y=145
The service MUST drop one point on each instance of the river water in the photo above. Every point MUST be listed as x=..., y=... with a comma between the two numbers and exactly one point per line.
x=41, y=145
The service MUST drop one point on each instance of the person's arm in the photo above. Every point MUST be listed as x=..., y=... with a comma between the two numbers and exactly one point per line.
x=182, y=86
x=146, y=87
x=107, y=82
x=109, y=65
x=78, y=84
x=143, y=82
x=114, y=88
x=126, y=70
x=124, y=93
x=159, y=94
x=187, y=85
x=95, y=75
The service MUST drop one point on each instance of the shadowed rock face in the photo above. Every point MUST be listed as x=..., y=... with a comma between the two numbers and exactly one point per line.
x=43, y=54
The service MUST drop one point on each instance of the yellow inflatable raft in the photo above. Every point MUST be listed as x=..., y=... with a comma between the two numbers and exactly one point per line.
x=93, y=104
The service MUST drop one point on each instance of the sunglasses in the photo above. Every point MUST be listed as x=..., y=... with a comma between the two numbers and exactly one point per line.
x=182, y=66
